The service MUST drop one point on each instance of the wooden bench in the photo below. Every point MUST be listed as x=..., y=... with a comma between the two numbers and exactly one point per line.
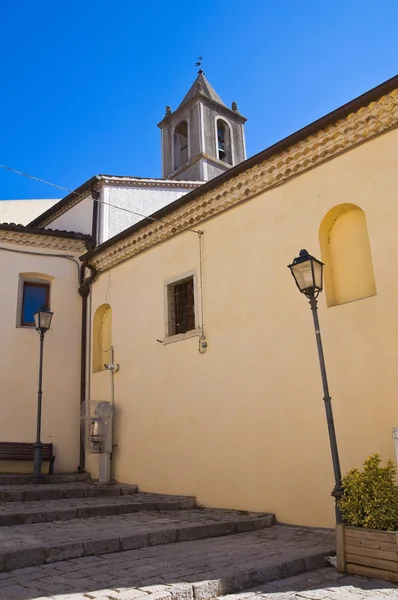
x=25, y=451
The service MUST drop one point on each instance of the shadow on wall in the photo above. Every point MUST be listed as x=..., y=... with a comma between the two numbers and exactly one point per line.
x=346, y=252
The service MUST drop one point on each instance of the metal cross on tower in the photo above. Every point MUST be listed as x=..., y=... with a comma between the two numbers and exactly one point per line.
x=199, y=63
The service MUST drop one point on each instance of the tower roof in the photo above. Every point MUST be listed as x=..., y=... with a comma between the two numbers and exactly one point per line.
x=205, y=87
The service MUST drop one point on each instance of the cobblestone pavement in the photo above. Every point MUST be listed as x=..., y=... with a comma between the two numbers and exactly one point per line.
x=194, y=570
x=29, y=478
x=41, y=505
x=50, y=491
x=323, y=584
x=74, y=531
x=39, y=511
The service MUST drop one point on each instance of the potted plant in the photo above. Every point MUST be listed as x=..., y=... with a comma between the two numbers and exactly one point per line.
x=367, y=542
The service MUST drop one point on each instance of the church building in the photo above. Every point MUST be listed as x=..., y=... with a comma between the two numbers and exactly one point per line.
x=172, y=301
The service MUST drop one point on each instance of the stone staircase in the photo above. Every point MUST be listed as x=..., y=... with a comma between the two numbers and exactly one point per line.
x=74, y=539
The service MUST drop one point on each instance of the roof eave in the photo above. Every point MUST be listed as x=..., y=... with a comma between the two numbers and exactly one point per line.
x=47, y=232
x=343, y=111
x=89, y=185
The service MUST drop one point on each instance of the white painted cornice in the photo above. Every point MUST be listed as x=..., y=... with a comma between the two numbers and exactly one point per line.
x=115, y=181
x=36, y=240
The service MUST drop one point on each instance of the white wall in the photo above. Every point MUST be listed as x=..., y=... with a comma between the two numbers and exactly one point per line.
x=141, y=200
x=79, y=218
x=23, y=211
x=19, y=356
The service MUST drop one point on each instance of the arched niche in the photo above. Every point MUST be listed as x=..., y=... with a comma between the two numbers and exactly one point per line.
x=102, y=337
x=346, y=252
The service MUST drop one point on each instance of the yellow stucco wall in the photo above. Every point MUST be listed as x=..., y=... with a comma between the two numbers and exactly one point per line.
x=243, y=425
x=19, y=356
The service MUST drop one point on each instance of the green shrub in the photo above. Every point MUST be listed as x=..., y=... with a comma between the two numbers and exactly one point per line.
x=371, y=497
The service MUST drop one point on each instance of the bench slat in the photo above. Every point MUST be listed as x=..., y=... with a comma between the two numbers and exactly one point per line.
x=25, y=451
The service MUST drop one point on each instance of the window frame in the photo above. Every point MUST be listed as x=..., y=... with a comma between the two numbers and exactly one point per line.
x=168, y=285
x=31, y=283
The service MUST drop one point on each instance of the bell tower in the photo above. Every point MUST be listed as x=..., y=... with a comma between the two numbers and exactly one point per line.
x=202, y=138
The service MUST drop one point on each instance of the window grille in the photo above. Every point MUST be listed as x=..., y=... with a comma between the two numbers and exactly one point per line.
x=181, y=306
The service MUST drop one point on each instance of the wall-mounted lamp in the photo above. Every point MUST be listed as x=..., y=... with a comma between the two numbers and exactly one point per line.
x=111, y=367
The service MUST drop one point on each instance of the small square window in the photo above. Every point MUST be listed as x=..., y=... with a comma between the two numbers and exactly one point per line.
x=35, y=296
x=181, y=306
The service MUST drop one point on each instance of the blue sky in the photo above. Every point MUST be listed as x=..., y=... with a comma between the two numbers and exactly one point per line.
x=85, y=82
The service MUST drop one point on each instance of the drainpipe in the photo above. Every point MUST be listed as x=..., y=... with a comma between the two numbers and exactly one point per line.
x=113, y=413
x=84, y=291
x=395, y=438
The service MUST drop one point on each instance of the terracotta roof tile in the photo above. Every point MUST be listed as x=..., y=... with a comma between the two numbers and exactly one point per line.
x=44, y=231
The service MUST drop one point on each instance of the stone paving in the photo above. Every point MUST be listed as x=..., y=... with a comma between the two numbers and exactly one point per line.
x=323, y=584
x=40, y=511
x=29, y=545
x=29, y=478
x=192, y=570
x=53, y=491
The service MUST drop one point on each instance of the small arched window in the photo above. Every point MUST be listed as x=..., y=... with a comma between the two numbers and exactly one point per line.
x=102, y=337
x=223, y=142
x=181, y=145
x=346, y=252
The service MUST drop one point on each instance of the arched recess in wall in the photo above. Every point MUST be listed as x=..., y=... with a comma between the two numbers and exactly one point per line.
x=181, y=155
x=102, y=337
x=346, y=252
x=224, y=141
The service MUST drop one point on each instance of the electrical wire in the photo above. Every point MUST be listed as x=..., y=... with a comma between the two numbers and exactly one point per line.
x=202, y=338
x=197, y=232
x=201, y=282
x=65, y=256
x=60, y=187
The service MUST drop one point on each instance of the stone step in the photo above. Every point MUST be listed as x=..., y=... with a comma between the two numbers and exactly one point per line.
x=54, y=491
x=31, y=545
x=28, y=478
x=193, y=570
x=22, y=513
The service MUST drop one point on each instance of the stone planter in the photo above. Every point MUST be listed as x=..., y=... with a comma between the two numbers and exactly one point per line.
x=367, y=552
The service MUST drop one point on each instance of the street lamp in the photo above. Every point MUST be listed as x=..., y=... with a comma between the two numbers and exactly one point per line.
x=42, y=323
x=307, y=272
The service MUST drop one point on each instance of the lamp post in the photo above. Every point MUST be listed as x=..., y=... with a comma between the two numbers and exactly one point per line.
x=42, y=323
x=307, y=272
